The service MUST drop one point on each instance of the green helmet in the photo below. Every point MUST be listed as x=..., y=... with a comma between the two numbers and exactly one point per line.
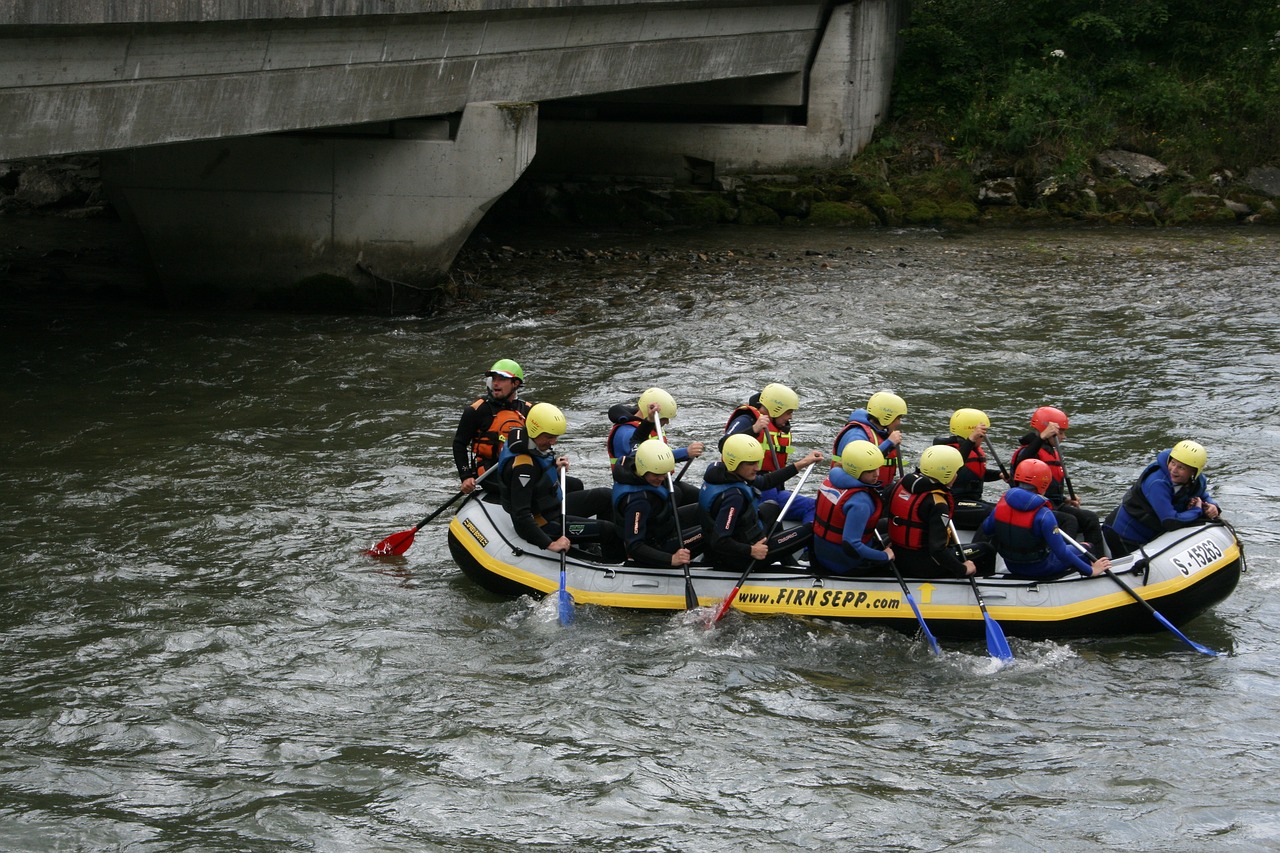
x=739, y=448
x=1190, y=453
x=545, y=418
x=941, y=462
x=654, y=457
x=886, y=407
x=859, y=457
x=964, y=421
x=777, y=399
x=666, y=403
x=506, y=368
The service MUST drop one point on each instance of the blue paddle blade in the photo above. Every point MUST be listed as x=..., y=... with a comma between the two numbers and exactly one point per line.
x=997, y=645
x=928, y=635
x=565, y=607
x=1204, y=650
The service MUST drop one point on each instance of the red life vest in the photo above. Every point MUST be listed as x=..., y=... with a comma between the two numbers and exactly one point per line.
x=1015, y=537
x=829, y=514
x=488, y=442
x=907, y=528
x=887, y=471
x=774, y=441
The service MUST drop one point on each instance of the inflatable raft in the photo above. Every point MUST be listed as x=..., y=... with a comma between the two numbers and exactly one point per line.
x=1182, y=574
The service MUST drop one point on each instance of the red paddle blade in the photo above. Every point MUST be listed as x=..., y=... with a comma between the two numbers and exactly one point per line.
x=724, y=607
x=393, y=546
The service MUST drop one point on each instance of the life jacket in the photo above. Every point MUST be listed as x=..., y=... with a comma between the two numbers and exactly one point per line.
x=489, y=441
x=1139, y=509
x=748, y=527
x=829, y=513
x=632, y=421
x=1015, y=536
x=659, y=507
x=774, y=441
x=1049, y=456
x=887, y=471
x=547, y=497
x=907, y=528
x=970, y=479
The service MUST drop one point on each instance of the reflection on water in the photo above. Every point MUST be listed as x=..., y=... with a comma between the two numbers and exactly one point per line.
x=197, y=655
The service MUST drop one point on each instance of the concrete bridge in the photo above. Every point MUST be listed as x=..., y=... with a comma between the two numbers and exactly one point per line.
x=260, y=145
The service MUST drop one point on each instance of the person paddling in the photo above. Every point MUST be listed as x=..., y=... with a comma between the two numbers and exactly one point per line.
x=643, y=511
x=968, y=432
x=1025, y=532
x=633, y=425
x=1044, y=442
x=920, y=528
x=848, y=511
x=879, y=422
x=767, y=417
x=733, y=515
x=530, y=490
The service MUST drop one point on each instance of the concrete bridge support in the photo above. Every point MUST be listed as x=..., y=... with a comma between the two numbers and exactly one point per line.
x=847, y=94
x=372, y=216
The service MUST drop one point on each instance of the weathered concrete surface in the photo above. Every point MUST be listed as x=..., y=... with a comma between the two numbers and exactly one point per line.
x=848, y=92
x=229, y=220
x=177, y=71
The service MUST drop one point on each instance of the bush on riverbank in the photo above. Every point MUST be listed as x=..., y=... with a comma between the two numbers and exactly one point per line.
x=1030, y=112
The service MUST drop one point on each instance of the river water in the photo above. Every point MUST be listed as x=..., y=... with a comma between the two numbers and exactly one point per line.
x=196, y=655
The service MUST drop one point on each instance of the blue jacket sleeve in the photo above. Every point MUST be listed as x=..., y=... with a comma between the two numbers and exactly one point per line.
x=857, y=511
x=1159, y=493
x=1067, y=555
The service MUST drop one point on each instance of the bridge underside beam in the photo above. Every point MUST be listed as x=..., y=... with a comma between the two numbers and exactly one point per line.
x=847, y=95
x=372, y=220
x=69, y=90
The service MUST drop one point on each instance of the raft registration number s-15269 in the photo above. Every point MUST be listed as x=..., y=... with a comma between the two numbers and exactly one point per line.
x=1197, y=557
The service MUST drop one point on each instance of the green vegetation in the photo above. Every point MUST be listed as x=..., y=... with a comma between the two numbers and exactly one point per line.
x=1193, y=83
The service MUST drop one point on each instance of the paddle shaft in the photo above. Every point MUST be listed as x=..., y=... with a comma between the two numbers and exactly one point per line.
x=397, y=543
x=690, y=596
x=1062, y=463
x=724, y=607
x=1004, y=472
x=906, y=590
x=1146, y=605
x=997, y=645
x=449, y=503
x=564, y=603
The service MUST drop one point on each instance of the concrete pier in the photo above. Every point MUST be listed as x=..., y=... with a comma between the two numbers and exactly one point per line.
x=375, y=215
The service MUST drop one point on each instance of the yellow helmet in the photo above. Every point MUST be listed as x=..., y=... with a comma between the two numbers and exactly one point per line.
x=777, y=399
x=654, y=457
x=666, y=403
x=964, y=421
x=941, y=462
x=886, y=407
x=1191, y=454
x=859, y=457
x=545, y=418
x=739, y=448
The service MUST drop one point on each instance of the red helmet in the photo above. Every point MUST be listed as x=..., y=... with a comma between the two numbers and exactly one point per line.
x=1046, y=415
x=1035, y=473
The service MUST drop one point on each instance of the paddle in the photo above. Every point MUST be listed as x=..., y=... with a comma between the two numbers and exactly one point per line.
x=1004, y=472
x=1062, y=463
x=1204, y=650
x=997, y=645
x=690, y=597
x=724, y=605
x=933, y=643
x=684, y=468
x=566, y=600
x=397, y=543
